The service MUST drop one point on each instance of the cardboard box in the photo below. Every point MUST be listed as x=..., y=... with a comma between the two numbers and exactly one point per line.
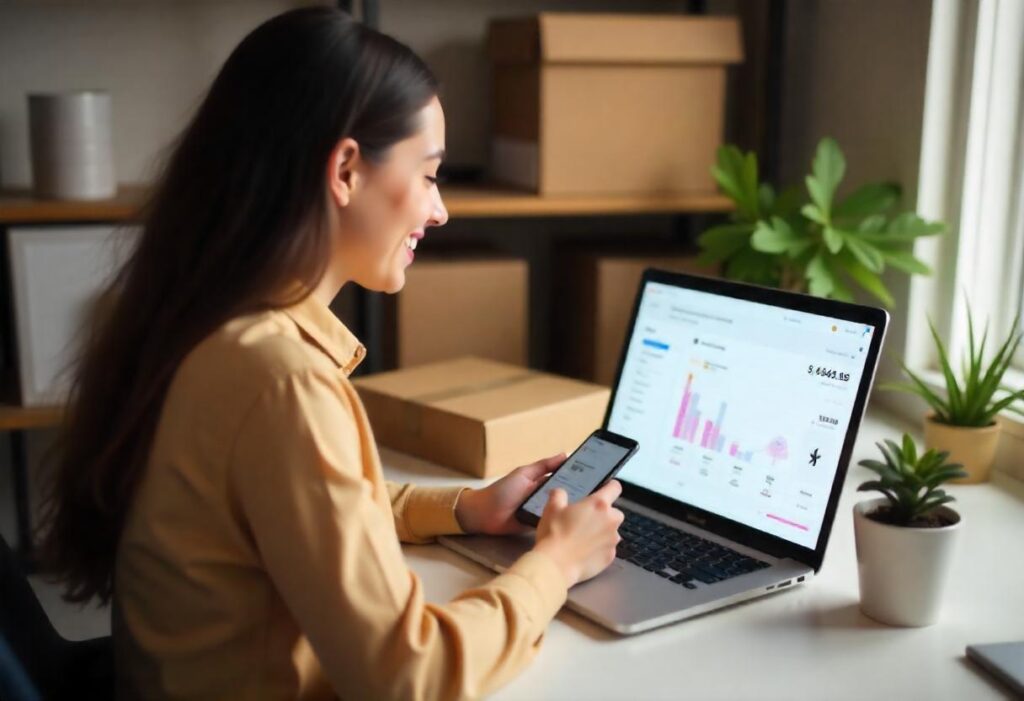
x=479, y=416
x=592, y=103
x=451, y=307
x=599, y=305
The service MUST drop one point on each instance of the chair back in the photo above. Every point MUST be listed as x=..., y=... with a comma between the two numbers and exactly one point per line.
x=57, y=668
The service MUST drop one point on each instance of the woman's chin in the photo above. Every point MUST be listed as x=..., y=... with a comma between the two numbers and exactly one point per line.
x=394, y=283
x=388, y=284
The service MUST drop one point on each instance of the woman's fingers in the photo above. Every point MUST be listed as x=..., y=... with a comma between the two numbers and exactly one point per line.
x=609, y=492
x=557, y=500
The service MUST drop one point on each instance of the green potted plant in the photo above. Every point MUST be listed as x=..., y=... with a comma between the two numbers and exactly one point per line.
x=963, y=423
x=820, y=246
x=905, y=539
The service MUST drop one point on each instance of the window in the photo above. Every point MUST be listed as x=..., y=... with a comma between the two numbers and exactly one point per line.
x=972, y=177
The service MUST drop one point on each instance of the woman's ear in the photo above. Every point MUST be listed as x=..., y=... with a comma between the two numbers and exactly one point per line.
x=343, y=176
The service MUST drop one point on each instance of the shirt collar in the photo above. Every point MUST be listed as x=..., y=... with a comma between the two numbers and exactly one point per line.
x=320, y=324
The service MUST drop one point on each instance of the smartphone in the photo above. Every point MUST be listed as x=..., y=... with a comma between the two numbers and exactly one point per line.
x=597, y=460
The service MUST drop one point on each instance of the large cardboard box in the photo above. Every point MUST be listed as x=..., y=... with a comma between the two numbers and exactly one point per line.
x=479, y=416
x=598, y=306
x=592, y=103
x=456, y=306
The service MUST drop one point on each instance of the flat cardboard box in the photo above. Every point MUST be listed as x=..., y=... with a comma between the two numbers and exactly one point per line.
x=478, y=416
x=600, y=304
x=604, y=103
x=455, y=306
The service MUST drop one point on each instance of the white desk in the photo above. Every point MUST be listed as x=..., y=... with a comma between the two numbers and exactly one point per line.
x=811, y=641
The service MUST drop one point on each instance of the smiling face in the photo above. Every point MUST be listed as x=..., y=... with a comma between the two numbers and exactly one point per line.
x=380, y=211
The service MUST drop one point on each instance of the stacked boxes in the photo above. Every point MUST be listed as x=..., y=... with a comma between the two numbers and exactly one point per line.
x=590, y=103
x=455, y=306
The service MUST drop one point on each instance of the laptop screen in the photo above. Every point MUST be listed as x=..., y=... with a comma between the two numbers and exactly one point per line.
x=740, y=408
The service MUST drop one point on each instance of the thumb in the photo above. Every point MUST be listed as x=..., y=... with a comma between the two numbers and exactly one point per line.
x=609, y=492
x=554, y=461
x=540, y=468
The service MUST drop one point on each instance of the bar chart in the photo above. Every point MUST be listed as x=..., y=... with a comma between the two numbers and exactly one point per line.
x=688, y=423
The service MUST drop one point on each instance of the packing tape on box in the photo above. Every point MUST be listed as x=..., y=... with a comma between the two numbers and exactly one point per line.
x=413, y=407
x=475, y=388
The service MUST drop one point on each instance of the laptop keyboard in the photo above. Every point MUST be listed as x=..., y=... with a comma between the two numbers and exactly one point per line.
x=679, y=556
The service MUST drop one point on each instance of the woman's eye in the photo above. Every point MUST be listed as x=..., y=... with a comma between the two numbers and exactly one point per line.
x=434, y=179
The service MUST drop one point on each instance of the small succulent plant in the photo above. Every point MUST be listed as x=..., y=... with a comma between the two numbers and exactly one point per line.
x=910, y=481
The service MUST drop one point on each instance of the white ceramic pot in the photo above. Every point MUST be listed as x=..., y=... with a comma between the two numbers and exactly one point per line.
x=902, y=571
x=972, y=447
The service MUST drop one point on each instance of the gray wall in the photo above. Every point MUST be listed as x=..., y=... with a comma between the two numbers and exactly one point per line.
x=856, y=71
x=158, y=57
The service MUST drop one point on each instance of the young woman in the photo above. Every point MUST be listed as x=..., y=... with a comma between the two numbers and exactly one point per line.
x=218, y=478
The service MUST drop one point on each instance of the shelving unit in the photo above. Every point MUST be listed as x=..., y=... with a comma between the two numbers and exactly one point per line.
x=19, y=207
x=462, y=201
x=19, y=418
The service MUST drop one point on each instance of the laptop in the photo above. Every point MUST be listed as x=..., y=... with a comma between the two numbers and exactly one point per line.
x=746, y=403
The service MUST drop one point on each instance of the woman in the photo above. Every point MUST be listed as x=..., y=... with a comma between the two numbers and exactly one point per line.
x=218, y=479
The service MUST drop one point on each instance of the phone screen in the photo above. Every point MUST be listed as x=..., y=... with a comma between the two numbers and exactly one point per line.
x=580, y=474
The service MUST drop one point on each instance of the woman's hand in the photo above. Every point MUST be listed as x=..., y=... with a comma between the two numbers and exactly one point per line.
x=581, y=537
x=491, y=510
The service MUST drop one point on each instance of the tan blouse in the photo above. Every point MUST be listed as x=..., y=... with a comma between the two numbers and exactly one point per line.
x=261, y=557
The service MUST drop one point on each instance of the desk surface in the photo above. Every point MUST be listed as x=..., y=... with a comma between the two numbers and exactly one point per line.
x=811, y=641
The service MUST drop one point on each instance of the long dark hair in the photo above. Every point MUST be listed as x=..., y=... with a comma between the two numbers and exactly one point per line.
x=236, y=218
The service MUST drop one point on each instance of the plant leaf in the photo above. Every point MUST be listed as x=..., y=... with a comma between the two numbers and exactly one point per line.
x=828, y=169
x=766, y=197
x=812, y=212
x=753, y=266
x=721, y=242
x=869, y=256
x=873, y=198
x=909, y=448
x=839, y=289
x=905, y=261
x=736, y=175
x=920, y=388
x=872, y=224
x=908, y=226
x=773, y=237
x=819, y=277
x=833, y=240
x=952, y=387
x=981, y=405
x=869, y=280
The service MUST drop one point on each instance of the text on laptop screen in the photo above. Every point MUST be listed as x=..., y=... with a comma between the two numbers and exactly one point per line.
x=740, y=408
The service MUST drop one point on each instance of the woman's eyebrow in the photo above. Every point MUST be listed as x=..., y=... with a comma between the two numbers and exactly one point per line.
x=436, y=154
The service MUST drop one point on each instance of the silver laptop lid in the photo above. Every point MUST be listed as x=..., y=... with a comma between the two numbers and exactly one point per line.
x=746, y=403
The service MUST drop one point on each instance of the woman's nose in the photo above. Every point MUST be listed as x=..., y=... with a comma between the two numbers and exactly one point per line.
x=439, y=216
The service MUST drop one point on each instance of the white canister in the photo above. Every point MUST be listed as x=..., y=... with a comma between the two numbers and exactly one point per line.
x=71, y=142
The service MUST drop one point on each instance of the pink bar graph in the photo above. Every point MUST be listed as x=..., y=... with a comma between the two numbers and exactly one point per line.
x=691, y=430
x=683, y=405
x=705, y=440
x=733, y=449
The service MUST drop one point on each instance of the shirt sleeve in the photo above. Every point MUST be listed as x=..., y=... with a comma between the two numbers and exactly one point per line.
x=332, y=552
x=421, y=513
